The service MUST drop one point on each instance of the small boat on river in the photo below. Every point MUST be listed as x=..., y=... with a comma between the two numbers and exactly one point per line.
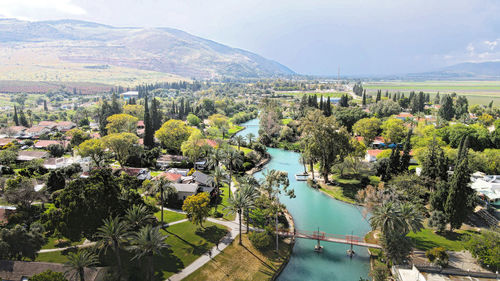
x=301, y=177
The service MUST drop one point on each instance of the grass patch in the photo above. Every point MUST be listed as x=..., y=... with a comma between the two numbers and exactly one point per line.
x=242, y=263
x=155, y=173
x=344, y=189
x=169, y=216
x=286, y=121
x=187, y=243
x=427, y=239
x=245, y=150
x=220, y=208
x=52, y=241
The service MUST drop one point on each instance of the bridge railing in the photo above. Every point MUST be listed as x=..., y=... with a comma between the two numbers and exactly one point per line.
x=322, y=235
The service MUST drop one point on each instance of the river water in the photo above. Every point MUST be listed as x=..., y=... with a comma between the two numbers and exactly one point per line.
x=312, y=209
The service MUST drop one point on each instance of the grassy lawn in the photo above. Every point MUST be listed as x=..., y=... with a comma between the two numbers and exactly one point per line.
x=234, y=129
x=169, y=216
x=187, y=243
x=286, y=121
x=428, y=239
x=220, y=208
x=242, y=263
x=52, y=240
x=245, y=150
x=155, y=173
x=345, y=189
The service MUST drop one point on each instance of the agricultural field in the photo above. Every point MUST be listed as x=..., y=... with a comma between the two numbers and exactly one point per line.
x=477, y=92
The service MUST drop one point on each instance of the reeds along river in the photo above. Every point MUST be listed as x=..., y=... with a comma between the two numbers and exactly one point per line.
x=312, y=209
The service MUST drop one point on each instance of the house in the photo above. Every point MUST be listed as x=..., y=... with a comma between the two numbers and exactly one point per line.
x=22, y=270
x=130, y=94
x=44, y=144
x=5, y=141
x=182, y=172
x=201, y=164
x=37, y=131
x=204, y=181
x=487, y=186
x=48, y=124
x=65, y=126
x=167, y=160
x=56, y=163
x=17, y=131
x=371, y=155
x=27, y=155
x=139, y=173
x=404, y=115
x=185, y=189
x=175, y=178
x=378, y=142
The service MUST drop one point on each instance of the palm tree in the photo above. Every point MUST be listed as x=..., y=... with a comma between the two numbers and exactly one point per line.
x=386, y=217
x=233, y=160
x=138, y=216
x=411, y=217
x=252, y=194
x=147, y=243
x=220, y=176
x=239, y=139
x=165, y=188
x=113, y=234
x=250, y=138
x=215, y=158
x=78, y=261
x=237, y=203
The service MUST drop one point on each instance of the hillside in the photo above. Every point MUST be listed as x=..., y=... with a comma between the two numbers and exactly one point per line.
x=42, y=50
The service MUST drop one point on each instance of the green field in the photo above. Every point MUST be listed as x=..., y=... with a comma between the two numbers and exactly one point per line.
x=477, y=92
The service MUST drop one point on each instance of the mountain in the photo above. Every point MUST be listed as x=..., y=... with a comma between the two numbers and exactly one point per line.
x=468, y=70
x=98, y=46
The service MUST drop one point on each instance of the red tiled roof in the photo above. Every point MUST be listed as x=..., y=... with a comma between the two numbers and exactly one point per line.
x=379, y=139
x=140, y=123
x=171, y=176
x=5, y=141
x=210, y=142
x=17, y=128
x=404, y=115
x=47, y=124
x=36, y=129
x=46, y=143
x=374, y=152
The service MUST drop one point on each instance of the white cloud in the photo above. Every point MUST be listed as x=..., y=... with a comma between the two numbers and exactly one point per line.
x=477, y=51
x=39, y=9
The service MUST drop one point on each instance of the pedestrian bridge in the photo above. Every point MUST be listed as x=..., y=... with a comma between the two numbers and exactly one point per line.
x=327, y=237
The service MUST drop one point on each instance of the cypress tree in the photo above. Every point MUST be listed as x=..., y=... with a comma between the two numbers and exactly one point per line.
x=45, y=108
x=405, y=159
x=460, y=200
x=16, y=118
x=148, y=132
x=155, y=114
x=364, y=98
x=379, y=96
x=321, y=103
x=115, y=106
x=328, y=107
x=447, y=111
x=22, y=119
x=437, y=99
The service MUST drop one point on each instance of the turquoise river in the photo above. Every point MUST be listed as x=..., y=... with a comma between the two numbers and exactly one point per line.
x=312, y=209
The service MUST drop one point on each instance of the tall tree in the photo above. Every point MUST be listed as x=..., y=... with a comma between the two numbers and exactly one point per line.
x=148, y=126
x=405, y=158
x=447, y=110
x=460, y=201
x=147, y=243
x=78, y=261
x=156, y=114
x=16, y=118
x=113, y=233
x=239, y=201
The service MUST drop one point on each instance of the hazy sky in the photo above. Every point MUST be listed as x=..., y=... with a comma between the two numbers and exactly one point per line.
x=309, y=36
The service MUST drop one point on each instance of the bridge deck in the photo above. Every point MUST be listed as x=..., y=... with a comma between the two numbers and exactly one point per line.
x=334, y=238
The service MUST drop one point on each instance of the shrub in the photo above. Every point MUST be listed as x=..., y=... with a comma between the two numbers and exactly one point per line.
x=48, y=275
x=438, y=255
x=485, y=247
x=61, y=243
x=247, y=166
x=261, y=240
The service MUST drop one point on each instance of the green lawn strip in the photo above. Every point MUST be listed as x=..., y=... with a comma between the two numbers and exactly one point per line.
x=286, y=121
x=220, y=208
x=52, y=241
x=344, y=189
x=245, y=150
x=155, y=173
x=427, y=239
x=242, y=263
x=187, y=243
x=170, y=216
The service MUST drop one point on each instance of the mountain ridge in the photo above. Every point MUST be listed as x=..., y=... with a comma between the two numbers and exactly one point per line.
x=161, y=49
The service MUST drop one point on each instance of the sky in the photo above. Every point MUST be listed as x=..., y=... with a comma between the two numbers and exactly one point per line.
x=362, y=37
